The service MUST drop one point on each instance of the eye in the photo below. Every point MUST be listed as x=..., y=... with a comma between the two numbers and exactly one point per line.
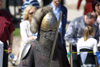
x=31, y=13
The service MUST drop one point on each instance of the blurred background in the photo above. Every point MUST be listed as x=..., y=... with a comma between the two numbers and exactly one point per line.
x=14, y=8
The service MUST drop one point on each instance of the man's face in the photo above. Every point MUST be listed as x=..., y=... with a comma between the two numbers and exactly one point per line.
x=97, y=7
x=0, y=4
x=57, y=1
x=91, y=21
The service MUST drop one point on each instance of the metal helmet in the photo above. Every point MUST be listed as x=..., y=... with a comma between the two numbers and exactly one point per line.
x=48, y=29
x=47, y=35
x=49, y=22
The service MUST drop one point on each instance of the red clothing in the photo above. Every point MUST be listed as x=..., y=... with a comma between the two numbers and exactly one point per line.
x=88, y=6
x=6, y=26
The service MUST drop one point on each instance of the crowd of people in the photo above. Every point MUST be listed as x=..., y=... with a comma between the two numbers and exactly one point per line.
x=83, y=33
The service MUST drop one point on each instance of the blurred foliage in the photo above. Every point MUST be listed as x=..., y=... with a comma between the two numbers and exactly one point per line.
x=16, y=32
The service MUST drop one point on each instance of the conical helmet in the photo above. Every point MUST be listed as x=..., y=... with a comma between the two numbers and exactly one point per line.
x=49, y=22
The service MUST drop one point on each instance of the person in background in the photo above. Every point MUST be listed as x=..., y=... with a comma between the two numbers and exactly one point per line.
x=96, y=8
x=75, y=32
x=88, y=6
x=25, y=32
x=85, y=45
x=6, y=33
x=29, y=2
x=57, y=8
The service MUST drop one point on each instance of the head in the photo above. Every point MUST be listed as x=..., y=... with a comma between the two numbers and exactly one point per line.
x=28, y=12
x=48, y=30
x=24, y=0
x=89, y=30
x=90, y=18
x=96, y=6
x=0, y=4
x=56, y=2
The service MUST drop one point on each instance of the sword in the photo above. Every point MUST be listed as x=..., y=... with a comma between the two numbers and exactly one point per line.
x=54, y=43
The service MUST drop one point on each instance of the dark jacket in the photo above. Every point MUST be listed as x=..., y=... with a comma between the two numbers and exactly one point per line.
x=63, y=19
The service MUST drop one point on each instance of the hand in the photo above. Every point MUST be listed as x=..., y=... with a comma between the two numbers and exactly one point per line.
x=31, y=37
x=9, y=49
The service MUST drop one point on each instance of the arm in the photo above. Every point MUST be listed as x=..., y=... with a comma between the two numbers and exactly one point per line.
x=95, y=49
x=34, y=36
x=64, y=21
x=10, y=43
x=11, y=29
x=78, y=4
x=23, y=32
x=70, y=33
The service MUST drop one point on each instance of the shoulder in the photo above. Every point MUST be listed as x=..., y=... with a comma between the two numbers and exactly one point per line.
x=81, y=40
x=5, y=13
x=64, y=9
x=93, y=40
x=78, y=19
x=24, y=23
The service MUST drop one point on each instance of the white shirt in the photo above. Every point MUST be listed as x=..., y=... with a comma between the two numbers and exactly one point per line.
x=25, y=31
x=91, y=43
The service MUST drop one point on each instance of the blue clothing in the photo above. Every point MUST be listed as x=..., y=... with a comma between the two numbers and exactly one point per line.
x=56, y=12
x=63, y=22
x=29, y=2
